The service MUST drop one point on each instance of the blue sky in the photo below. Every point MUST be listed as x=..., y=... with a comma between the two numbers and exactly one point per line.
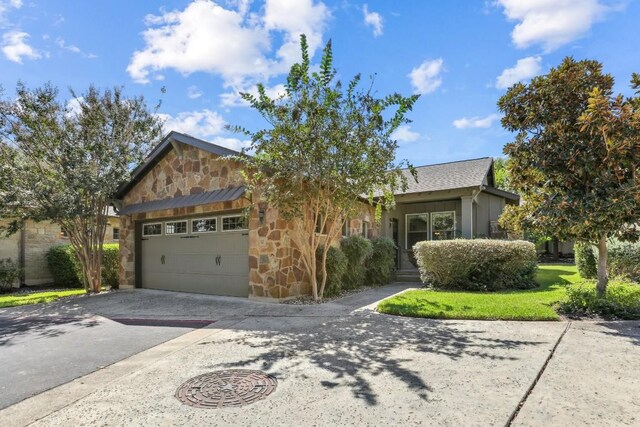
x=461, y=55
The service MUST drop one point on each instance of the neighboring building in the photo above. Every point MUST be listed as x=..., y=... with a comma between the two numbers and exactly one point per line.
x=30, y=245
x=183, y=229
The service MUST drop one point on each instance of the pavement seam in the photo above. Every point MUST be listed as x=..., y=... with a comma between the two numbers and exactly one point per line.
x=121, y=376
x=516, y=411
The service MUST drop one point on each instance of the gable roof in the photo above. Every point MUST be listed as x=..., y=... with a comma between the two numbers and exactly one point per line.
x=160, y=150
x=215, y=196
x=449, y=176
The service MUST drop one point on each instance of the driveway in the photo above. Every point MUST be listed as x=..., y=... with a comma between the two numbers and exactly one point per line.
x=341, y=363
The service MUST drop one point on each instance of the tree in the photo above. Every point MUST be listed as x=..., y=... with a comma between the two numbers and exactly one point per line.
x=575, y=157
x=501, y=173
x=327, y=149
x=65, y=164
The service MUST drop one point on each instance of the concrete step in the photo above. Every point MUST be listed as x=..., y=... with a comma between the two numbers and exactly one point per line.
x=408, y=276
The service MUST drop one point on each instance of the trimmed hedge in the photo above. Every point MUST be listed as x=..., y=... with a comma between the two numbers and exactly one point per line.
x=357, y=249
x=623, y=260
x=380, y=264
x=336, y=267
x=477, y=265
x=622, y=301
x=67, y=270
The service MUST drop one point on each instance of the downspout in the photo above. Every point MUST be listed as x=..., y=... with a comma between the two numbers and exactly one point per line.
x=22, y=255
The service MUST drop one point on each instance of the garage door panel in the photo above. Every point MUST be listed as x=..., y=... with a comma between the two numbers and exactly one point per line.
x=188, y=263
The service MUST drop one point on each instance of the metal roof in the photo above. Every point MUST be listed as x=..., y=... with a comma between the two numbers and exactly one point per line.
x=223, y=195
x=160, y=150
x=448, y=176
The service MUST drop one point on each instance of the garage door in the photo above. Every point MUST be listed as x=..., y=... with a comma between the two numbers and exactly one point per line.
x=202, y=255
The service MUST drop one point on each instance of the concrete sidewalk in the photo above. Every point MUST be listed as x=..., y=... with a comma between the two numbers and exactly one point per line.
x=339, y=364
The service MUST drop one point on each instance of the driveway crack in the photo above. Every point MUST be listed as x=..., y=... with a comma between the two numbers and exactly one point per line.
x=537, y=378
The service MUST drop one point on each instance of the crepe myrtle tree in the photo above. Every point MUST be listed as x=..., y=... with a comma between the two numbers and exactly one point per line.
x=327, y=148
x=576, y=156
x=65, y=164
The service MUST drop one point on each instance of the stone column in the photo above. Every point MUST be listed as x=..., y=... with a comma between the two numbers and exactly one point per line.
x=467, y=217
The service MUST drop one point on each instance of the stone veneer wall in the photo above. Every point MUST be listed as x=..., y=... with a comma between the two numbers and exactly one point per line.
x=275, y=267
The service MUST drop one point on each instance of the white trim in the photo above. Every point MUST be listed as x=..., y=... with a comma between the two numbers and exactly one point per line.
x=406, y=227
x=152, y=235
x=215, y=226
x=431, y=223
x=222, y=230
x=176, y=221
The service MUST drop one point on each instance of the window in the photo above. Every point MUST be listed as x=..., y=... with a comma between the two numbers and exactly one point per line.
x=443, y=225
x=231, y=223
x=345, y=228
x=203, y=225
x=417, y=227
x=152, y=229
x=176, y=227
x=116, y=234
x=365, y=229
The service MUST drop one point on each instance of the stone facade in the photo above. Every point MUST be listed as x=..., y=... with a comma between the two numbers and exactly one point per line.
x=275, y=266
x=38, y=238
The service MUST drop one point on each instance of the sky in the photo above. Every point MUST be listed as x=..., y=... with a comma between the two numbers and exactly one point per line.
x=459, y=55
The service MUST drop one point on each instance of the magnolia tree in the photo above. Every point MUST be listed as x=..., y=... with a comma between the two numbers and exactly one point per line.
x=576, y=157
x=327, y=148
x=64, y=163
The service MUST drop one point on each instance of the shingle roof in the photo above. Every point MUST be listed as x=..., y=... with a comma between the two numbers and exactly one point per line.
x=448, y=176
x=223, y=195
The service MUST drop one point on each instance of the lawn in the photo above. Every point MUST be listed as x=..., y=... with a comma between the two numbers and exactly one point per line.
x=11, y=300
x=532, y=304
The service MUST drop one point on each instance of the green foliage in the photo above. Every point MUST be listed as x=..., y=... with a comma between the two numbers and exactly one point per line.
x=10, y=272
x=585, y=260
x=326, y=145
x=501, y=173
x=357, y=249
x=622, y=301
x=65, y=165
x=67, y=271
x=64, y=266
x=336, y=268
x=381, y=263
x=477, y=265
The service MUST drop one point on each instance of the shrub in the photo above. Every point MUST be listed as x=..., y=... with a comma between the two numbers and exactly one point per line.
x=67, y=270
x=380, y=264
x=585, y=260
x=357, y=249
x=64, y=266
x=477, y=265
x=10, y=271
x=336, y=267
x=622, y=300
x=624, y=260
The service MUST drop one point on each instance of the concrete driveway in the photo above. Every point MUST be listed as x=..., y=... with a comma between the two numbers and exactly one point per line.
x=342, y=364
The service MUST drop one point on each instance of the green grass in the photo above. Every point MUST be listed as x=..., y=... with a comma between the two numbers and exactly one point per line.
x=531, y=304
x=36, y=297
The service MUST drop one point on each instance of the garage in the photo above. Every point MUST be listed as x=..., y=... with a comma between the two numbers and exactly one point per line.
x=207, y=255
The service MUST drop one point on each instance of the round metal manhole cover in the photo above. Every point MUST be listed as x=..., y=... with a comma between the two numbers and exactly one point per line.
x=226, y=389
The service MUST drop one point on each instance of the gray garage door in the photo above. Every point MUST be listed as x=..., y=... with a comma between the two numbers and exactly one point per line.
x=213, y=262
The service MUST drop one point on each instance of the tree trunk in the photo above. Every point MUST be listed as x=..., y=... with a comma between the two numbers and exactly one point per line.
x=603, y=276
x=556, y=249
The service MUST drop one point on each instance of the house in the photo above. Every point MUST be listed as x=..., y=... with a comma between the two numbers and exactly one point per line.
x=29, y=246
x=183, y=226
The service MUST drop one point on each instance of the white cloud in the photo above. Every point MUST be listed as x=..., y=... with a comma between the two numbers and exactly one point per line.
x=426, y=78
x=233, y=99
x=193, y=92
x=373, y=19
x=201, y=124
x=476, y=122
x=235, y=43
x=15, y=48
x=73, y=106
x=524, y=69
x=73, y=48
x=405, y=134
x=551, y=23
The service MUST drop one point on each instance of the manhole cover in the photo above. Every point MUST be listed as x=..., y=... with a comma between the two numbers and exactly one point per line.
x=224, y=389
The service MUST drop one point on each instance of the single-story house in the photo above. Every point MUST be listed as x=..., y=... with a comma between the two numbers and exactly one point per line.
x=29, y=246
x=183, y=228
